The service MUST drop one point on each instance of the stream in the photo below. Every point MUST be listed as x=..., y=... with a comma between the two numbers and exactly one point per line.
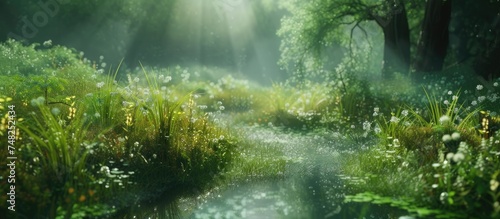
x=311, y=186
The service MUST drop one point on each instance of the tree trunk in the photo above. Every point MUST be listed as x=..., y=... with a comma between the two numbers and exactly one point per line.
x=434, y=38
x=396, y=41
x=486, y=64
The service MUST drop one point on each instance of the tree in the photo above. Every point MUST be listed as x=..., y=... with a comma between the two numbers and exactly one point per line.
x=317, y=24
x=434, y=38
x=475, y=36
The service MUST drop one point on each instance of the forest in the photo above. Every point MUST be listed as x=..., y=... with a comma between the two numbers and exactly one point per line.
x=249, y=109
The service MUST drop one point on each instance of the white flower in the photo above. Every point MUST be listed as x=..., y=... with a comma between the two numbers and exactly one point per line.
x=167, y=79
x=366, y=126
x=396, y=142
x=105, y=170
x=55, y=111
x=449, y=156
x=394, y=119
x=38, y=101
x=100, y=84
x=136, y=79
x=458, y=157
x=97, y=115
x=481, y=98
x=404, y=113
x=479, y=87
x=47, y=43
x=444, y=119
x=446, y=138
x=455, y=136
x=495, y=84
x=446, y=102
x=493, y=185
x=473, y=103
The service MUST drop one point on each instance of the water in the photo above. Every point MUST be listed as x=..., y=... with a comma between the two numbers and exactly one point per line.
x=311, y=185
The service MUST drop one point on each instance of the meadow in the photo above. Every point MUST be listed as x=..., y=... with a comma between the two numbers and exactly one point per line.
x=92, y=138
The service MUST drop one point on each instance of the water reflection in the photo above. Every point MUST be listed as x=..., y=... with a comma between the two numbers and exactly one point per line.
x=164, y=207
x=311, y=188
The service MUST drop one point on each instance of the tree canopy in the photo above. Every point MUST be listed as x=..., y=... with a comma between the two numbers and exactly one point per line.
x=415, y=34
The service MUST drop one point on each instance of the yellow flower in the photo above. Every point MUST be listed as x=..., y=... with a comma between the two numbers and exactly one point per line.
x=82, y=198
x=71, y=190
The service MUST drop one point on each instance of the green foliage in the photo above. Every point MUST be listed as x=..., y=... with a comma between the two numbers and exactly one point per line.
x=439, y=149
x=60, y=150
x=54, y=73
x=334, y=33
x=82, y=144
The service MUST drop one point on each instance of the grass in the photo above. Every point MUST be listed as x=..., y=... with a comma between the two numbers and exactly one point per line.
x=104, y=141
x=93, y=140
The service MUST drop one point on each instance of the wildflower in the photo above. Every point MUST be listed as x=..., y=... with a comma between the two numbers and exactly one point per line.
x=71, y=190
x=47, y=43
x=493, y=184
x=105, y=170
x=101, y=58
x=38, y=101
x=446, y=102
x=479, y=87
x=82, y=198
x=495, y=84
x=396, y=142
x=443, y=197
x=450, y=92
x=473, y=103
x=481, y=98
x=136, y=79
x=55, y=111
x=97, y=115
x=446, y=138
x=449, y=156
x=444, y=119
x=404, y=112
x=103, y=65
x=455, y=136
x=394, y=119
x=366, y=126
x=167, y=79
x=100, y=84
x=458, y=157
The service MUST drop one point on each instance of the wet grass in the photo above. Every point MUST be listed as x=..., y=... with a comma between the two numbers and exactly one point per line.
x=96, y=143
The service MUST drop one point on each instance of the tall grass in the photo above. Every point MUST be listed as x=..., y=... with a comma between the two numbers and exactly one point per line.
x=60, y=148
